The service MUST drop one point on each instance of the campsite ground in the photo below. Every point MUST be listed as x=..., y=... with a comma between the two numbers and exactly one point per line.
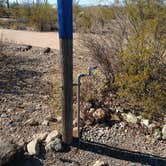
x=29, y=94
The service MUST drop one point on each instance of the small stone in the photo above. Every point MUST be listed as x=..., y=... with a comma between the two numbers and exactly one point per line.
x=91, y=111
x=59, y=119
x=157, y=133
x=100, y=163
x=89, y=121
x=99, y=115
x=50, y=118
x=45, y=123
x=33, y=147
x=152, y=126
x=53, y=135
x=54, y=145
x=145, y=122
x=87, y=106
x=10, y=110
x=130, y=118
x=119, y=110
x=41, y=136
x=47, y=50
x=4, y=115
x=31, y=122
x=164, y=132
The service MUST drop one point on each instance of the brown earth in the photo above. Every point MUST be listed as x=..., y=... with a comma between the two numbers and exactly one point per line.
x=39, y=39
x=30, y=92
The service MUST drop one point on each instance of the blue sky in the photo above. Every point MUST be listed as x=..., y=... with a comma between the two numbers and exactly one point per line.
x=86, y=2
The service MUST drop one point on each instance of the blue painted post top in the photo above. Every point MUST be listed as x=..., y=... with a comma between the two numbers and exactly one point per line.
x=65, y=19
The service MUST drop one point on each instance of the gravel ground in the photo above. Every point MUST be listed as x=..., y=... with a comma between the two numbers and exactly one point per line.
x=28, y=97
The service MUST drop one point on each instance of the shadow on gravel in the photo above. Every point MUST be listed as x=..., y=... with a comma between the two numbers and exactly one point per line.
x=29, y=161
x=17, y=76
x=121, y=154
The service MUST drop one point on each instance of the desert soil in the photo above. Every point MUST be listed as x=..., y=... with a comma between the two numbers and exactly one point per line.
x=39, y=39
x=29, y=93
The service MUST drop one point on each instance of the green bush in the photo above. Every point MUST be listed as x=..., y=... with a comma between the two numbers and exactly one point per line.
x=137, y=39
x=41, y=17
x=142, y=75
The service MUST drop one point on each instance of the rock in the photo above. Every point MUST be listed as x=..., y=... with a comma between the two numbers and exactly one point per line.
x=145, y=122
x=75, y=132
x=54, y=145
x=99, y=115
x=50, y=118
x=41, y=136
x=9, y=110
x=25, y=48
x=100, y=163
x=89, y=120
x=119, y=110
x=59, y=119
x=91, y=111
x=164, y=132
x=87, y=106
x=53, y=135
x=31, y=122
x=157, y=133
x=4, y=115
x=33, y=147
x=152, y=126
x=45, y=123
x=130, y=118
x=9, y=151
x=47, y=50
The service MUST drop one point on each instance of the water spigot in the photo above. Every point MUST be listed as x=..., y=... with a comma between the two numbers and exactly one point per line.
x=90, y=69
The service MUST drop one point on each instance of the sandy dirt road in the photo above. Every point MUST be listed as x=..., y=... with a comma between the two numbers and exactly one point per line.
x=39, y=39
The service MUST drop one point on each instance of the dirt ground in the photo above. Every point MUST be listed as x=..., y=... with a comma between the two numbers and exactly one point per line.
x=39, y=39
x=29, y=93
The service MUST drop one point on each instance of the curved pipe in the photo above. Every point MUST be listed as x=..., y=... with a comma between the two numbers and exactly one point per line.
x=90, y=69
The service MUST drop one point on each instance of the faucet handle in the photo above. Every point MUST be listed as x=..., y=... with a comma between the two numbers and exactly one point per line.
x=90, y=69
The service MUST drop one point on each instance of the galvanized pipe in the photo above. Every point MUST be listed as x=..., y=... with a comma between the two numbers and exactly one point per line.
x=90, y=69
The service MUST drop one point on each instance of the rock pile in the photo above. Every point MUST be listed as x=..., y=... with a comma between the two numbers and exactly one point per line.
x=93, y=115
x=51, y=141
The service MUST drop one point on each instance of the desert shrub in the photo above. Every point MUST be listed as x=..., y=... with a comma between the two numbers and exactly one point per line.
x=89, y=19
x=132, y=56
x=142, y=74
x=3, y=11
x=41, y=17
x=93, y=87
x=104, y=54
x=44, y=17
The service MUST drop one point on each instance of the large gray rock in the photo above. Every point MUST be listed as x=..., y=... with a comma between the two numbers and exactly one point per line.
x=54, y=134
x=164, y=132
x=33, y=147
x=9, y=151
x=54, y=145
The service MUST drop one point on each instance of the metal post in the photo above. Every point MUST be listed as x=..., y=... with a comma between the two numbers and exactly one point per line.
x=66, y=51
